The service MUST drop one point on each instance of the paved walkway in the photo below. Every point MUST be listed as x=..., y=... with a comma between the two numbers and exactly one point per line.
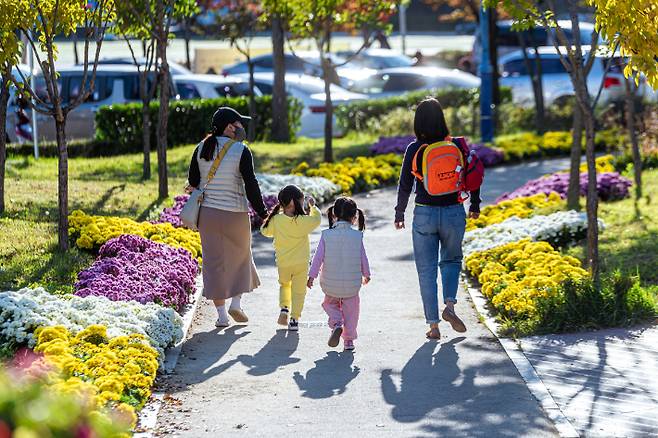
x=603, y=381
x=260, y=380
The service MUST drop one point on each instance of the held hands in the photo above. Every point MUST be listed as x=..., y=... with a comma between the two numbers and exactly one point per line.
x=473, y=214
x=399, y=225
x=309, y=282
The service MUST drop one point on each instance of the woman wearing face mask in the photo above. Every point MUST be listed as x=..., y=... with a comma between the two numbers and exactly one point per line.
x=228, y=266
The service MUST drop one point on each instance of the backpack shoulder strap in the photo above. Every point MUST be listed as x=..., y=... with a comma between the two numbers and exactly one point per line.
x=414, y=163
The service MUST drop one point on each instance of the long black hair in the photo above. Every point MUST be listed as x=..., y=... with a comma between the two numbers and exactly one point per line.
x=429, y=122
x=287, y=194
x=345, y=209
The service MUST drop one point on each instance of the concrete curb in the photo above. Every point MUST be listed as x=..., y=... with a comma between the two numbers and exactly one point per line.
x=525, y=368
x=148, y=416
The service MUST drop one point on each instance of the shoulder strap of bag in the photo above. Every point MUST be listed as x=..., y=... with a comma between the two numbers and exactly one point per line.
x=414, y=163
x=217, y=162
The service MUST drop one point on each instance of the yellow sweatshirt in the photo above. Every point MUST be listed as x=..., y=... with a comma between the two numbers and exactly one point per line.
x=290, y=234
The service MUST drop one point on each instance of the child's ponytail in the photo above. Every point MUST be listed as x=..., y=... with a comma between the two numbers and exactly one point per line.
x=271, y=214
x=362, y=219
x=330, y=215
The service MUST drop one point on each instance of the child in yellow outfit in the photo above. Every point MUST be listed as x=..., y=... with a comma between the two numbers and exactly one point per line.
x=290, y=225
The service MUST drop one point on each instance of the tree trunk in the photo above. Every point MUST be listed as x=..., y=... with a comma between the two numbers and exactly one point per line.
x=146, y=125
x=493, y=56
x=329, y=110
x=4, y=100
x=163, y=116
x=62, y=182
x=251, y=132
x=280, y=130
x=573, y=192
x=592, y=197
x=632, y=133
x=535, y=78
x=187, y=36
x=76, y=57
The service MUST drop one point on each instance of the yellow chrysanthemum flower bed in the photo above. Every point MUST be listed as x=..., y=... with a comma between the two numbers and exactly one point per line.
x=521, y=207
x=356, y=174
x=115, y=373
x=513, y=276
x=603, y=164
x=94, y=231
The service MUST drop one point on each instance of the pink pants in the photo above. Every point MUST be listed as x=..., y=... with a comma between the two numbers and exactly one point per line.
x=343, y=312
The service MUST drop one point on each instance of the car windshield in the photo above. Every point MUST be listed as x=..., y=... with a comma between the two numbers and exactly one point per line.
x=390, y=83
x=381, y=62
x=313, y=87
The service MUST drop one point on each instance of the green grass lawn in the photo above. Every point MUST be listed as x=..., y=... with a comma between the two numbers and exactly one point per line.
x=108, y=186
x=629, y=241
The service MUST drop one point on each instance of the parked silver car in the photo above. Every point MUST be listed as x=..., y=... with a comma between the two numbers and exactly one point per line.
x=310, y=91
x=195, y=86
x=394, y=81
x=556, y=81
x=114, y=84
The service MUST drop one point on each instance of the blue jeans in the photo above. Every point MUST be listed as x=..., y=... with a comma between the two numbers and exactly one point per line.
x=438, y=230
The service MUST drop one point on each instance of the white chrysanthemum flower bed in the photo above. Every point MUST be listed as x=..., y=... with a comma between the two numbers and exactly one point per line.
x=23, y=311
x=558, y=229
x=320, y=188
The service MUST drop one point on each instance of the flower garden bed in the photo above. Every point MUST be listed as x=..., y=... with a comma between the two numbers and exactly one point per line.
x=610, y=185
x=356, y=174
x=511, y=252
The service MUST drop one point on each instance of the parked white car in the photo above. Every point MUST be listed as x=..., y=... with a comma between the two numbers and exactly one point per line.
x=195, y=86
x=310, y=91
x=556, y=82
x=395, y=81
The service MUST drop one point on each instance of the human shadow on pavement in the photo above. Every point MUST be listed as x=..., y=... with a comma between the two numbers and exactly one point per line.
x=274, y=355
x=330, y=376
x=487, y=399
x=424, y=377
x=202, y=357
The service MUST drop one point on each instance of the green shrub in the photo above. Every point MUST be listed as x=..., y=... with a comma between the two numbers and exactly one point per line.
x=399, y=121
x=189, y=120
x=621, y=301
x=354, y=116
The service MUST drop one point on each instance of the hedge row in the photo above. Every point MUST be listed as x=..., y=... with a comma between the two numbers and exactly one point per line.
x=354, y=116
x=189, y=120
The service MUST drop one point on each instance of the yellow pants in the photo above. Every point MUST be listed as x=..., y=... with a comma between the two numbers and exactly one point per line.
x=293, y=288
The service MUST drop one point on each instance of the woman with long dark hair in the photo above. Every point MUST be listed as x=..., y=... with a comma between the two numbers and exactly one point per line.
x=228, y=265
x=438, y=225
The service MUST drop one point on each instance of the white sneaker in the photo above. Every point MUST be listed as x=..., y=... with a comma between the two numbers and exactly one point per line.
x=222, y=322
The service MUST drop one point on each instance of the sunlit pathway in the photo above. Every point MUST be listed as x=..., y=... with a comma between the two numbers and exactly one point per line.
x=260, y=380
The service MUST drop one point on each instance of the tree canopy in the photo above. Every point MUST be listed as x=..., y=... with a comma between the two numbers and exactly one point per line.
x=633, y=26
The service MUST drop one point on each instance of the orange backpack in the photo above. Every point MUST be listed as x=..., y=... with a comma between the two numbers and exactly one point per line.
x=442, y=168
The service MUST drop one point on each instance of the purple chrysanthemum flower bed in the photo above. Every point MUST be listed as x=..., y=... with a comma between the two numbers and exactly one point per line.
x=172, y=214
x=392, y=145
x=131, y=267
x=490, y=157
x=270, y=201
x=610, y=186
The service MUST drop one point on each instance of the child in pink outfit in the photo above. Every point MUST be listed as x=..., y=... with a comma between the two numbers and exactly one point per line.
x=342, y=264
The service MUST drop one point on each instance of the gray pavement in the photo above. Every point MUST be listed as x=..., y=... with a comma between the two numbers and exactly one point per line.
x=603, y=381
x=259, y=380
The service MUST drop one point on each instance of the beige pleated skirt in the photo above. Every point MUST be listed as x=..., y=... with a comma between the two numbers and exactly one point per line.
x=228, y=266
